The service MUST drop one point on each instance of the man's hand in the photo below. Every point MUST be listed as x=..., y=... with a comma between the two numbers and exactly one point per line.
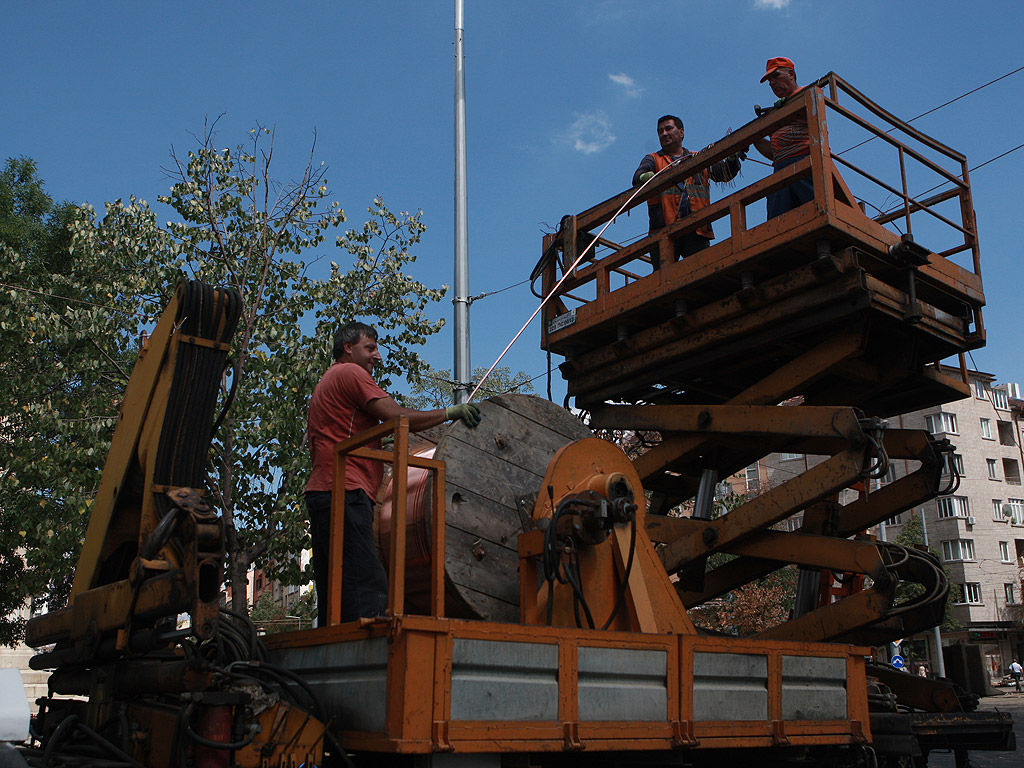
x=646, y=176
x=469, y=413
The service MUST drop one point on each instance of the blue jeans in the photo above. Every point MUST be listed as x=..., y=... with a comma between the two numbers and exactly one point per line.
x=788, y=198
x=364, y=582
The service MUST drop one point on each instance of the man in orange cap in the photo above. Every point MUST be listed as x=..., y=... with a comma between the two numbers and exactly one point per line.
x=788, y=143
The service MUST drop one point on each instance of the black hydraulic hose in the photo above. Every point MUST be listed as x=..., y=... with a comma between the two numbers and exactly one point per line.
x=572, y=577
x=228, y=745
x=340, y=750
x=625, y=577
x=109, y=746
x=66, y=725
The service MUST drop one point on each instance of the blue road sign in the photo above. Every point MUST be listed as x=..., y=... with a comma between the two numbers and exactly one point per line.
x=898, y=662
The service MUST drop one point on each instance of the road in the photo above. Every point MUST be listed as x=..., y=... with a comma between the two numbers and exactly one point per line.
x=1009, y=702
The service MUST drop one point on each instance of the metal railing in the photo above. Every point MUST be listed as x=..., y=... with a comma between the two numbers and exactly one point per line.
x=597, y=266
x=400, y=461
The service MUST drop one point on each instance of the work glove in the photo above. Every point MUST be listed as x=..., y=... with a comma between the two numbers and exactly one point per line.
x=780, y=102
x=469, y=413
x=646, y=176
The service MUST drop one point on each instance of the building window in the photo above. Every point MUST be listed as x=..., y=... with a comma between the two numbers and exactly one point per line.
x=999, y=399
x=958, y=463
x=790, y=456
x=1016, y=510
x=1005, y=431
x=1004, y=551
x=953, y=506
x=1011, y=471
x=993, y=469
x=972, y=592
x=942, y=422
x=997, y=511
x=958, y=549
x=979, y=389
x=751, y=477
x=1010, y=590
x=986, y=428
x=897, y=520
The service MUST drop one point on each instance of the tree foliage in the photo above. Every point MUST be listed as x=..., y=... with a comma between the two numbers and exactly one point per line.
x=436, y=388
x=234, y=224
x=911, y=535
x=753, y=607
x=39, y=373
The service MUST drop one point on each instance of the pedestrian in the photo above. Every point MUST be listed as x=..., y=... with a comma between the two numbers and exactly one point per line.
x=1015, y=672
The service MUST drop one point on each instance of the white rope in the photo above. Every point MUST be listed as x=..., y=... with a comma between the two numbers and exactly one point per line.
x=568, y=272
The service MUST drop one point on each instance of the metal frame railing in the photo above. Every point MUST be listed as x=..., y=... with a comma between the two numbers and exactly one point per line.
x=400, y=461
x=605, y=261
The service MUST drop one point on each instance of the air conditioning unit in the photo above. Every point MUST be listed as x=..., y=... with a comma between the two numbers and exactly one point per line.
x=970, y=521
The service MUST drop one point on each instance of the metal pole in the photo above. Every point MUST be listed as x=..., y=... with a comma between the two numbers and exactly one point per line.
x=940, y=664
x=462, y=371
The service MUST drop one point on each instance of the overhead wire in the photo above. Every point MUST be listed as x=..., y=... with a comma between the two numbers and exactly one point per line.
x=593, y=242
x=566, y=273
x=936, y=109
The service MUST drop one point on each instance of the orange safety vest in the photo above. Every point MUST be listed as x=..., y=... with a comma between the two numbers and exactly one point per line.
x=699, y=195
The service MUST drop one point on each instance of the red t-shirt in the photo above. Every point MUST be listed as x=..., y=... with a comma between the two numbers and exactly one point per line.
x=337, y=411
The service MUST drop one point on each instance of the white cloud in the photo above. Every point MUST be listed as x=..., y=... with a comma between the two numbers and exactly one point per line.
x=590, y=133
x=772, y=5
x=632, y=88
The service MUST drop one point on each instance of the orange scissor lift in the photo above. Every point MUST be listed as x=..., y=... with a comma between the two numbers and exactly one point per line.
x=847, y=314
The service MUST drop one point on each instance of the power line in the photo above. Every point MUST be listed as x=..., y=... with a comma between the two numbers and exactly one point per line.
x=944, y=183
x=500, y=290
x=935, y=109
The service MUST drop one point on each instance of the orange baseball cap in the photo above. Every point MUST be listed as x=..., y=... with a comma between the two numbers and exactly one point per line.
x=778, y=62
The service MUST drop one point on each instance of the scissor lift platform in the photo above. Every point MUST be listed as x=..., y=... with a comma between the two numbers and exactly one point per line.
x=824, y=275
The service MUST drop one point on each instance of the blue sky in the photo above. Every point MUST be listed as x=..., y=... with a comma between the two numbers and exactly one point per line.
x=562, y=98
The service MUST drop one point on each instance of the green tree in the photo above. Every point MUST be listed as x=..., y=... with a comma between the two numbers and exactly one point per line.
x=436, y=388
x=753, y=607
x=911, y=535
x=34, y=257
x=235, y=225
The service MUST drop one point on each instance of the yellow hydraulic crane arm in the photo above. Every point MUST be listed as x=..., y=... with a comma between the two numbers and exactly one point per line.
x=152, y=548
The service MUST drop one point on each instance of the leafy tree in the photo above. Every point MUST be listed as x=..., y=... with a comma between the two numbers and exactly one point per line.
x=911, y=535
x=34, y=240
x=753, y=607
x=235, y=225
x=436, y=388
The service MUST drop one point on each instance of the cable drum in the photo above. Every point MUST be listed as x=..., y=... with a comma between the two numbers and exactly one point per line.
x=488, y=469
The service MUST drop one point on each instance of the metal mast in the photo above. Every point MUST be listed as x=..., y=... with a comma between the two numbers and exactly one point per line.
x=461, y=370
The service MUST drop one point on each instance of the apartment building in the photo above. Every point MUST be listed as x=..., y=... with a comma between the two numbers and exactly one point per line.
x=976, y=528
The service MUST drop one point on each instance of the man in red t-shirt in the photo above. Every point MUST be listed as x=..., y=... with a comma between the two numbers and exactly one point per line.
x=345, y=402
x=788, y=143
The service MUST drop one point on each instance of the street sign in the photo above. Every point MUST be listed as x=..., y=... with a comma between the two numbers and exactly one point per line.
x=898, y=662
x=897, y=643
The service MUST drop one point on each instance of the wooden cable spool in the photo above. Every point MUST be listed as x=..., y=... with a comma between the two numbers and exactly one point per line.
x=489, y=469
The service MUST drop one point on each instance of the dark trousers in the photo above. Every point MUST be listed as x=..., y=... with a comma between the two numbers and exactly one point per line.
x=687, y=245
x=364, y=582
x=788, y=198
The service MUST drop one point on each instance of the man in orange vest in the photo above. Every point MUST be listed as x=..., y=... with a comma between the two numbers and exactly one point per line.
x=683, y=199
